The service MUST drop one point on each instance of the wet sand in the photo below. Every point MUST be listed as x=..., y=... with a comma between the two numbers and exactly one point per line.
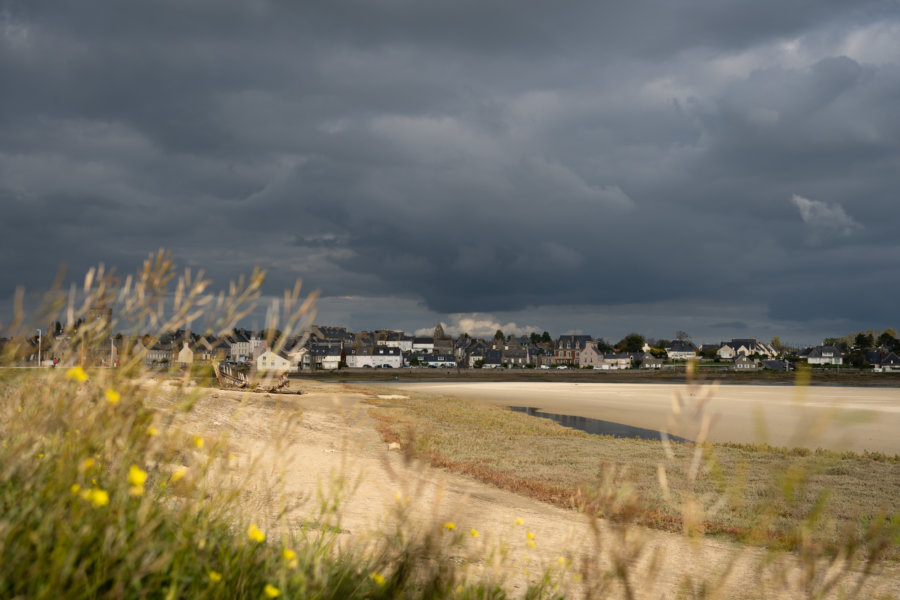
x=838, y=418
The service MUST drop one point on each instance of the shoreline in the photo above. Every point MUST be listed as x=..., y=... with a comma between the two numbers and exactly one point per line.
x=636, y=376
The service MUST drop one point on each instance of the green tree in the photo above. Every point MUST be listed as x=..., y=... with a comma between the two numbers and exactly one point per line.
x=776, y=343
x=864, y=340
x=499, y=335
x=545, y=338
x=839, y=342
x=604, y=347
x=886, y=339
x=633, y=342
x=682, y=336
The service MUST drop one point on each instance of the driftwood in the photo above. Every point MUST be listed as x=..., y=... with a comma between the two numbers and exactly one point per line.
x=232, y=376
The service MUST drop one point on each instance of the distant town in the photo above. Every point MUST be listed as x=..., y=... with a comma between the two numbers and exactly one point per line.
x=331, y=348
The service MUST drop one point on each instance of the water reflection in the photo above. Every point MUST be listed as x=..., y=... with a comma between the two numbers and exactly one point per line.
x=596, y=426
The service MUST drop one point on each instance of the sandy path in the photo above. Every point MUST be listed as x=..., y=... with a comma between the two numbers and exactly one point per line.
x=334, y=437
x=851, y=418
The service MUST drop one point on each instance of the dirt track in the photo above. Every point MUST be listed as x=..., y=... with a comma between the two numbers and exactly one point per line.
x=335, y=438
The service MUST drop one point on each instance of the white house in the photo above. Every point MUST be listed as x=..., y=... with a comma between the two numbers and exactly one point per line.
x=438, y=360
x=240, y=349
x=379, y=356
x=825, y=355
x=274, y=361
x=725, y=352
x=423, y=344
x=185, y=355
x=332, y=360
x=679, y=350
x=397, y=340
x=158, y=353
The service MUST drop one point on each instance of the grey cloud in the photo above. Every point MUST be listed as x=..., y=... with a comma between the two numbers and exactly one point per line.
x=474, y=157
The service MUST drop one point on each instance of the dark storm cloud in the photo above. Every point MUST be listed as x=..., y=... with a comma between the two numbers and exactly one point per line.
x=477, y=156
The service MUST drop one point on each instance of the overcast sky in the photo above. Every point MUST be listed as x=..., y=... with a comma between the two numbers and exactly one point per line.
x=727, y=168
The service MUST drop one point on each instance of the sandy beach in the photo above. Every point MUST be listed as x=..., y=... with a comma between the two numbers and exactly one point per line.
x=335, y=438
x=838, y=418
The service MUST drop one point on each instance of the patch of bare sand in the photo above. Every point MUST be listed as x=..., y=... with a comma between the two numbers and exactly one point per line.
x=296, y=445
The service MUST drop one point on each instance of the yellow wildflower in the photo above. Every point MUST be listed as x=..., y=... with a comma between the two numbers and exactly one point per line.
x=151, y=431
x=474, y=533
x=86, y=464
x=529, y=535
x=377, y=578
x=449, y=526
x=178, y=474
x=563, y=561
x=98, y=497
x=198, y=441
x=40, y=455
x=136, y=477
x=531, y=543
x=291, y=557
x=215, y=576
x=255, y=534
x=75, y=488
x=271, y=591
x=112, y=396
x=519, y=521
x=77, y=373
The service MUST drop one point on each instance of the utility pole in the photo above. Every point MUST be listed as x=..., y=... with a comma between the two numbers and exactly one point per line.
x=39, y=346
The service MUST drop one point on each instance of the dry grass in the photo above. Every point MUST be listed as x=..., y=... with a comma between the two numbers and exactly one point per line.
x=758, y=494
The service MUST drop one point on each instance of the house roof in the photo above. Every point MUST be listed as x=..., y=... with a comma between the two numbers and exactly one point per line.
x=818, y=351
x=891, y=359
x=386, y=351
x=570, y=342
x=493, y=356
x=437, y=358
x=679, y=346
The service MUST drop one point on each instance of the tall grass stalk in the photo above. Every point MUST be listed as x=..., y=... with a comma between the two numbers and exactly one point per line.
x=112, y=487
